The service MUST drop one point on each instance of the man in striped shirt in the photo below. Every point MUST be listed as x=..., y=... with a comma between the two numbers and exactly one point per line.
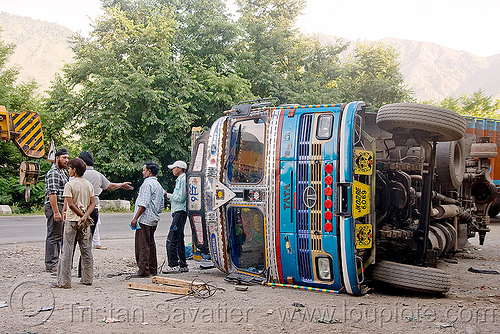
x=148, y=206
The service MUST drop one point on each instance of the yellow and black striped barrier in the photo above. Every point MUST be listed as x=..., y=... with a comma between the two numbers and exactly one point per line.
x=27, y=133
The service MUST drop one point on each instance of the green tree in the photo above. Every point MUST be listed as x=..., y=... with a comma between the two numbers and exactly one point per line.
x=8, y=75
x=15, y=97
x=206, y=39
x=127, y=96
x=206, y=33
x=371, y=74
x=476, y=104
x=280, y=61
x=131, y=96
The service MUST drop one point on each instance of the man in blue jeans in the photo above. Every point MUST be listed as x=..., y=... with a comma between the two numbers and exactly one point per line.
x=176, y=253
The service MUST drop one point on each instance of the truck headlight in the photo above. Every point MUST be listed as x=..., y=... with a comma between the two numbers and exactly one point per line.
x=324, y=268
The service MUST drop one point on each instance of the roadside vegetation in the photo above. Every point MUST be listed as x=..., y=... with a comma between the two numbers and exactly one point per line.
x=153, y=69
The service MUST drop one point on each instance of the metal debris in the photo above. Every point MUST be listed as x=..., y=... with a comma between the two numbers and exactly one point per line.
x=480, y=271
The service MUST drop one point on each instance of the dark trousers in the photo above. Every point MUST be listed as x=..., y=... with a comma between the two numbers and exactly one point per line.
x=145, y=250
x=95, y=216
x=176, y=252
x=53, y=242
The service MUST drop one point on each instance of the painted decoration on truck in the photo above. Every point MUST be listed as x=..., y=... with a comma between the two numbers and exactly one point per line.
x=213, y=245
x=222, y=194
x=364, y=236
x=194, y=198
x=361, y=202
x=198, y=226
x=363, y=162
x=198, y=161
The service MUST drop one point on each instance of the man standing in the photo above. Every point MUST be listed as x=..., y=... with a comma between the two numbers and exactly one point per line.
x=176, y=253
x=78, y=205
x=148, y=206
x=55, y=179
x=100, y=183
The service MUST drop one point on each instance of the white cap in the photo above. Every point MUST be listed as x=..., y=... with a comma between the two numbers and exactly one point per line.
x=178, y=163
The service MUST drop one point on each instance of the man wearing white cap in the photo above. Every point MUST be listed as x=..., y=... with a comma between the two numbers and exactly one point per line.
x=176, y=254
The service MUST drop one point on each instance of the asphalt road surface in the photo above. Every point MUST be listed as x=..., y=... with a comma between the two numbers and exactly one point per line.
x=16, y=229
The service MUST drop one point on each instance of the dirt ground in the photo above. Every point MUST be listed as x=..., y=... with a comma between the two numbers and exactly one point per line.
x=29, y=305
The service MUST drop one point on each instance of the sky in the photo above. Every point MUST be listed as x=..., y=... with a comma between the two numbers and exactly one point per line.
x=462, y=25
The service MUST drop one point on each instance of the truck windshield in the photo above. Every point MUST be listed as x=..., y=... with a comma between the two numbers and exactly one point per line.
x=246, y=151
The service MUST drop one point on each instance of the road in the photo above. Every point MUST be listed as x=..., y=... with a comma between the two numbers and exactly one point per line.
x=17, y=229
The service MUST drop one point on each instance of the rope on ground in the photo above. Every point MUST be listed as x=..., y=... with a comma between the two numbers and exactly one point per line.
x=128, y=274
x=160, y=268
x=201, y=290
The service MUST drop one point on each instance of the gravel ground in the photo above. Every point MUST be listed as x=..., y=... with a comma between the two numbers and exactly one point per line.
x=29, y=305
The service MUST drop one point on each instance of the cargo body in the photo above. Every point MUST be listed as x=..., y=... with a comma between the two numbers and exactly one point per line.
x=490, y=129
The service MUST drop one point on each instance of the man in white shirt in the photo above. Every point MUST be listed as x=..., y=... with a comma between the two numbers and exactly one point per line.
x=100, y=183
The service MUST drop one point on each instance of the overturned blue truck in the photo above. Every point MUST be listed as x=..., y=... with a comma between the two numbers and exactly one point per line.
x=332, y=196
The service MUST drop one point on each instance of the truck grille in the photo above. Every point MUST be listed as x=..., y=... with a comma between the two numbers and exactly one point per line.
x=303, y=163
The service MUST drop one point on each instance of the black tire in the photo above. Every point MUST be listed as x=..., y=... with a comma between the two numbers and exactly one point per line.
x=450, y=233
x=494, y=209
x=450, y=164
x=404, y=276
x=435, y=124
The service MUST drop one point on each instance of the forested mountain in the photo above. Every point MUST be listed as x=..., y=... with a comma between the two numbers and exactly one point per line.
x=432, y=71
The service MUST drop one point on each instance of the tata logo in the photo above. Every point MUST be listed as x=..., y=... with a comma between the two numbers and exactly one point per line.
x=286, y=197
x=309, y=197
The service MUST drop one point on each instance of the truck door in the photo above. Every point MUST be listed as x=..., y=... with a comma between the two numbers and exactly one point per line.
x=244, y=170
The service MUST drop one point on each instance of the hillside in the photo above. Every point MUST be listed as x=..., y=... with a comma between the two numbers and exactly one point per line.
x=432, y=71
x=435, y=72
x=41, y=47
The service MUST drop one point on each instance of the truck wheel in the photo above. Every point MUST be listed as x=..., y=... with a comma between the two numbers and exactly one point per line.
x=495, y=207
x=428, y=280
x=450, y=164
x=435, y=123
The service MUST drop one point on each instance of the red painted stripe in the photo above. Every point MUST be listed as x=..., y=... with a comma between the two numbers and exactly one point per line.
x=278, y=192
